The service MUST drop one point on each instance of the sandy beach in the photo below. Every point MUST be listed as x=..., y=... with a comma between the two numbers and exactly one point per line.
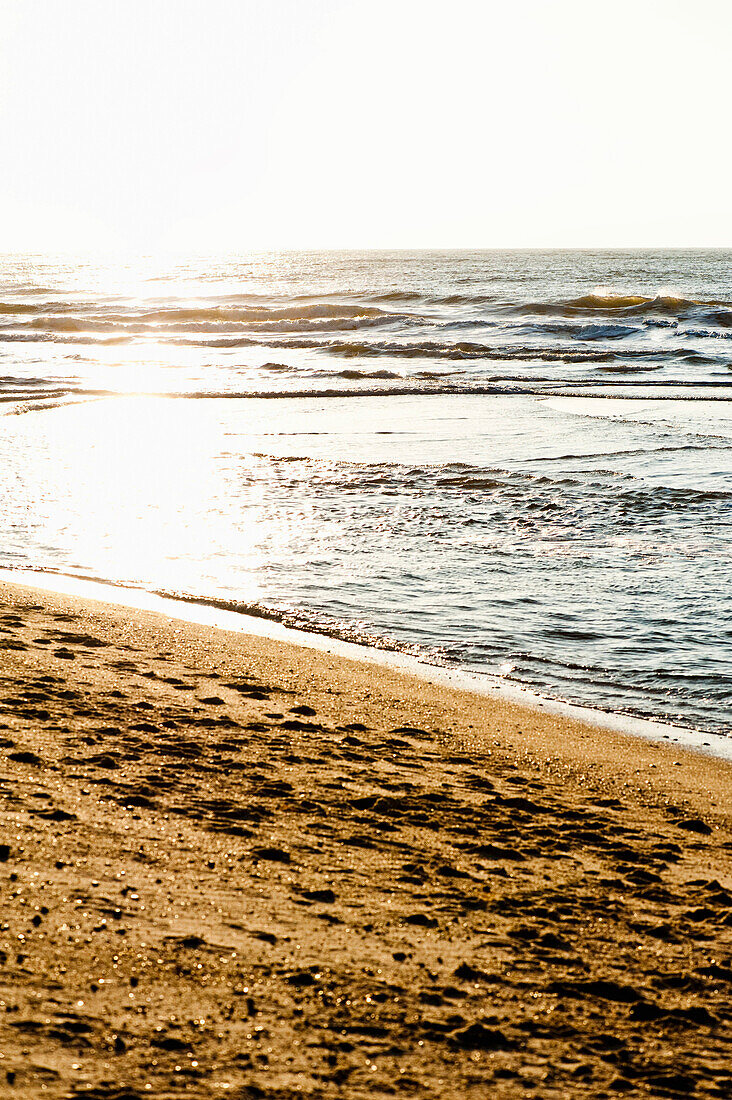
x=236, y=867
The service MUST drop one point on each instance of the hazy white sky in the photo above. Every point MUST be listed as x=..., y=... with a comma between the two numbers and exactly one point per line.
x=234, y=124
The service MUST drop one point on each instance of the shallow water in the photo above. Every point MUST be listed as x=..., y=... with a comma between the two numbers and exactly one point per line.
x=514, y=462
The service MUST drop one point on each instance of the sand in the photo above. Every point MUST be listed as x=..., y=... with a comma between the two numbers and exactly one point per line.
x=235, y=867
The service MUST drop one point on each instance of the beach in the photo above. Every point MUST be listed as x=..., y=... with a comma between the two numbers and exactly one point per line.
x=236, y=866
x=365, y=552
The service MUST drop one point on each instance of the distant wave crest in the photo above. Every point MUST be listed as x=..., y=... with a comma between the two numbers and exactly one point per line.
x=632, y=305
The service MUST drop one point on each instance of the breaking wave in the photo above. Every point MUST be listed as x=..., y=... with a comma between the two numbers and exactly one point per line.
x=631, y=305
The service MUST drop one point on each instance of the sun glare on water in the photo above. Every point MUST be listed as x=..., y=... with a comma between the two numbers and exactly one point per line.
x=139, y=483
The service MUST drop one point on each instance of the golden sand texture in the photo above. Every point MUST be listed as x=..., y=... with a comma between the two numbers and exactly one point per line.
x=234, y=867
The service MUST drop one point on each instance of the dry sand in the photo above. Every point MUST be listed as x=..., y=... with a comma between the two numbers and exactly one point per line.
x=234, y=867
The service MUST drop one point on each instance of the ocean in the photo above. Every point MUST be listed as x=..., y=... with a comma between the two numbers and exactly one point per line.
x=517, y=463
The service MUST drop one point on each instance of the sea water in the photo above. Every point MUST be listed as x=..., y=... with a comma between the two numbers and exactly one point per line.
x=518, y=463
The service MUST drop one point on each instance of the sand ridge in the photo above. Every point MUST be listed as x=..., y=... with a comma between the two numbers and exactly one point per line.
x=234, y=867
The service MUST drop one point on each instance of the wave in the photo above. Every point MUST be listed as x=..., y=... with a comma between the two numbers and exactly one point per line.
x=662, y=390
x=19, y=307
x=534, y=490
x=662, y=497
x=702, y=334
x=188, y=314
x=422, y=349
x=430, y=349
x=396, y=296
x=581, y=331
x=438, y=300
x=13, y=287
x=456, y=350
x=319, y=324
x=93, y=325
x=631, y=368
x=658, y=304
x=721, y=317
x=19, y=381
x=263, y=313
x=165, y=323
x=59, y=338
x=704, y=444
x=228, y=321
x=18, y=404
x=629, y=495
x=366, y=374
x=419, y=296
x=718, y=312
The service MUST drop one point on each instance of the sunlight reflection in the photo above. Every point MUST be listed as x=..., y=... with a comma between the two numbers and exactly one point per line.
x=141, y=483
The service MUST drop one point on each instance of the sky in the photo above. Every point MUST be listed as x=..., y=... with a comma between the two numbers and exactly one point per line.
x=227, y=125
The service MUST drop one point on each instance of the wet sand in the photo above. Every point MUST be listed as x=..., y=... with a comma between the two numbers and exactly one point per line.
x=232, y=866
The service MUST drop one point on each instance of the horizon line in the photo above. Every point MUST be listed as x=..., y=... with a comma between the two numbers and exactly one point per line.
x=128, y=253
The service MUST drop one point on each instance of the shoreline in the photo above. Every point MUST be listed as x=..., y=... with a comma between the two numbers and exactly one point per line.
x=208, y=613
x=234, y=864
